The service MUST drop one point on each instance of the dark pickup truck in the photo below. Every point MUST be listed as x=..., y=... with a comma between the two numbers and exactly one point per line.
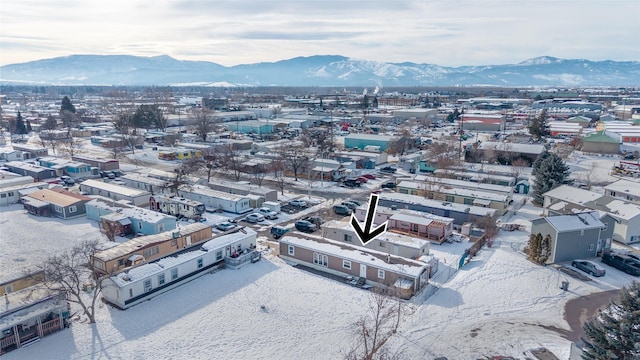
x=622, y=262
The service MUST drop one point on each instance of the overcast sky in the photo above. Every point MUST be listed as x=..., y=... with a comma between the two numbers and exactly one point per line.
x=449, y=33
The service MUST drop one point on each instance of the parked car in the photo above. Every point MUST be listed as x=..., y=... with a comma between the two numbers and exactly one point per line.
x=68, y=181
x=352, y=183
x=349, y=204
x=268, y=213
x=298, y=203
x=254, y=218
x=107, y=174
x=358, y=203
x=369, y=176
x=388, y=169
x=341, y=210
x=388, y=185
x=278, y=232
x=588, y=267
x=316, y=220
x=362, y=179
x=117, y=172
x=225, y=226
x=305, y=226
x=622, y=262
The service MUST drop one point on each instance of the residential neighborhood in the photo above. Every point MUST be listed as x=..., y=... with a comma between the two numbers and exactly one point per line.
x=232, y=210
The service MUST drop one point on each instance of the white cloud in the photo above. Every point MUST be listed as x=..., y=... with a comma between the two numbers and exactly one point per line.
x=464, y=32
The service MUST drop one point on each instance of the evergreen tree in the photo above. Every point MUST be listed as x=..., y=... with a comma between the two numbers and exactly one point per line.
x=536, y=164
x=551, y=173
x=533, y=248
x=67, y=105
x=20, y=126
x=29, y=129
x=538, y=126
x=545, y=249
x=614, y=333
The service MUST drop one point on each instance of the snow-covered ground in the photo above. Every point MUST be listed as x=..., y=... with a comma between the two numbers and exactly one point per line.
x=494, y=305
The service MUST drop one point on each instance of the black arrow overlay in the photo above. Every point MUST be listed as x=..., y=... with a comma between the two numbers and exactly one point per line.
x=367, y=235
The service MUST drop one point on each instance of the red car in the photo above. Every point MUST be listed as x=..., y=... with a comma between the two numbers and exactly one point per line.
x=362, y=179
x=370, y=176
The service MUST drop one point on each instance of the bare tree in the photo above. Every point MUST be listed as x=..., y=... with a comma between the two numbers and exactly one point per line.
x=232, y=161
x=204, y=123
x=53, y=142
x=210, y=160
x=278, y=167
x=518, y=166
x=259, y=173
x=399, y=145
x=115, y=149
x=71, y=272
x=294, y=157
x=376, y=327
x=182, y=172
x=71, y=146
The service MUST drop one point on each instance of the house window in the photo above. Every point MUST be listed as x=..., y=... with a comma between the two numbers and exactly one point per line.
x=120, y=262
x=382, y=244
x=174, y=242
x=219, y=255
x=73, y=209
x=346, y=264
x=291, y=250
x=348, y=238
x=10, y=193
x=160, y=279
x=380, y=274
x=3, y=196
x=147, y=285
x=130, y=293
x=592, y=247
x=139, y=226
x=174, y=274
x=58, y=209
x=414, y=227
x=450, y=198
x=150, y=252
x=320, y=259
x=98, y=264
x=199, y=263
x=8, y=289
x=468, y=201
x=160, y=227
x=613, y=193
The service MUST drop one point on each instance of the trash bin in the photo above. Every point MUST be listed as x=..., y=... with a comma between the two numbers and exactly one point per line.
x=564, y=286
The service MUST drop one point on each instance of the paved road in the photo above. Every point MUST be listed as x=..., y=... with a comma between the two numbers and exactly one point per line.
x=578, y=311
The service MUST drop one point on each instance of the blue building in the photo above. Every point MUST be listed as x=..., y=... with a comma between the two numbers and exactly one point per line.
x=361, y=141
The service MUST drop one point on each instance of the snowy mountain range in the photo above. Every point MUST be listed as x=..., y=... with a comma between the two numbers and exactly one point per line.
x=320, y=70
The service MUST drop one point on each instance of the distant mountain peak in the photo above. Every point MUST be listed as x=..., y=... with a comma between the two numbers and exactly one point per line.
x=316, y=70
x=541, y=60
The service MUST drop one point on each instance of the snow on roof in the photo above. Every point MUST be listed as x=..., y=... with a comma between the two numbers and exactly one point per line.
x=413, y=219
x=428, y=180
x=419, y=200
x=455, y=191
x=394, y=238
x=118, y=189
x=54, y=197
x=142, y=241
x=33, y=185
x=361, y=255
x=574, y=222
x=205, y=191
x=144, y=179
x=534, y=149
x=228, y=239
x=176, y=199
x=572, y=194
x=622, y=209
x=624, y=187
x=27, y=303
x=369, y=137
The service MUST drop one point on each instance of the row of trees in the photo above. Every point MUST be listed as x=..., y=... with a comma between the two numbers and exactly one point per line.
x=538, y=248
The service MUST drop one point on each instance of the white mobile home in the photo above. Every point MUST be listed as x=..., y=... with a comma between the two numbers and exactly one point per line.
x=214, y=200
x=116, y=192
x=144, y=282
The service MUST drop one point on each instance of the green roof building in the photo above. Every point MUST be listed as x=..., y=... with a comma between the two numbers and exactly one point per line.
x=602, y=142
